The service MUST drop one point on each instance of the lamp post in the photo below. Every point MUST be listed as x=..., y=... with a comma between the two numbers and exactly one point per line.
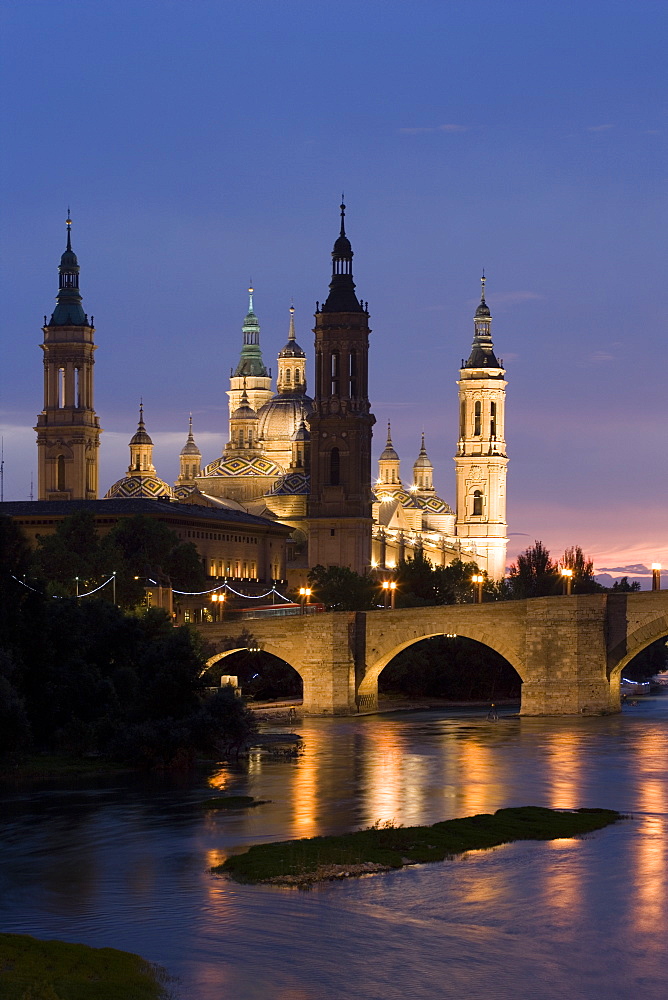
x=386, y=589
x=477, y=580
x=76, y=584
x=113, y=585
x=656, y=576
x=304, y=593
x=393, y=591
x=567, y=581
x=218, y=604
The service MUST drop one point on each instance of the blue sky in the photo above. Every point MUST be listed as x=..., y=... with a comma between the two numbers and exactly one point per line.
x=201, y=144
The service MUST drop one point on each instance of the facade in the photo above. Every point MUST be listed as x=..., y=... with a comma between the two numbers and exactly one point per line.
x=290, y=458
x=68, y=430
x=232, y=544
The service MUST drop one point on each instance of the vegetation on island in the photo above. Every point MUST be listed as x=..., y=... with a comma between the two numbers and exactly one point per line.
x=89, y=679
x=384, y=846
x=31, y=969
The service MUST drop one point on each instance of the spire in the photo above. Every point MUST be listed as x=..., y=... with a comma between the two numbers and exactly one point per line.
x=482, y=352
x=342, y=296
x=389, y=454
x=292, y=348
x=69, y=309
x=141, y=435
x=190, y=448
x=250, y=362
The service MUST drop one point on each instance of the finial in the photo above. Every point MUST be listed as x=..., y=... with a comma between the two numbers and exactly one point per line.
x=422, y=445
x=68, y=223
x=190, y=426
x=250, y=294
x=389, y=437
x=291, y=332
x=141, y=411
x=343, y=216
x=482, y=282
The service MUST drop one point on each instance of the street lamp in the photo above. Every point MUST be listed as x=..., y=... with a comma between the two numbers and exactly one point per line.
x=76, y=583
x=656, y=576
x=304, y=593
x=477, y=580
x=393, y=591
x=218, y=600
x=567, y=580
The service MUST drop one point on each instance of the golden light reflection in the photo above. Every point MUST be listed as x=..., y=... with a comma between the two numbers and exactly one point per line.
x=214, y=858
x=649, y=876
x=475, y=793
x=304, y=797
x=563, y=762
x=219, y=779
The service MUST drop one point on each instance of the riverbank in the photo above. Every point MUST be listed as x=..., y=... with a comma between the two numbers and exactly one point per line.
x=30, y=968
x=384, y=846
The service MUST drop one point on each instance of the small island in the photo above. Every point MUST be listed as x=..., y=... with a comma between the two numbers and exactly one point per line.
x=383, y=847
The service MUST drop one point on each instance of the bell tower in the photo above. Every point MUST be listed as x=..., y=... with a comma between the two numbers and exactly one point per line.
x=68, y=429
x=339, y=509
x=480, y=463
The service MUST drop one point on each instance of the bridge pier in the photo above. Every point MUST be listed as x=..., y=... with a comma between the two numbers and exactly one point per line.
x=565, y=670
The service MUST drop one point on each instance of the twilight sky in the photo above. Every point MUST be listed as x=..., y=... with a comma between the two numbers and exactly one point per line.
x=201, y=144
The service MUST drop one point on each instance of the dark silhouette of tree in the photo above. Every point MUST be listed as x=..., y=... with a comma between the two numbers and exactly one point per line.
x=583, y=571
x=534, y=574
x=625, y=587
x=341, y=589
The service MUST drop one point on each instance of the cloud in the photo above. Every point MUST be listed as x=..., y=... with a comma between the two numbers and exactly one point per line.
x=599, y=128
x=625, y=570
x=601, y=356
x=418, y=129
x=512, y=298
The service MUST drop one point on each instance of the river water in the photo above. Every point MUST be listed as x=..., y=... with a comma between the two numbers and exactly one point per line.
x=123, y=861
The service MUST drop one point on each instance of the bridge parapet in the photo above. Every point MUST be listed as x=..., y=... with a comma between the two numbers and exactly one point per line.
x=569, y=651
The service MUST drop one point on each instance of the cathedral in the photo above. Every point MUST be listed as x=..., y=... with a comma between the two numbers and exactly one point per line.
x=300, y=460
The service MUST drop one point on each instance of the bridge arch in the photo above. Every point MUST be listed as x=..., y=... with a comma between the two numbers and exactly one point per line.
x=622, y=654
x=263, y=647
x=367, y=692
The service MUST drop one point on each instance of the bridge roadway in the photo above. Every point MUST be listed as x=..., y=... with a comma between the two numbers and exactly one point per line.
x=568, y=651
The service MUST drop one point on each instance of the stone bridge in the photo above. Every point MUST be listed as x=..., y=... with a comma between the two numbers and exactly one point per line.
x=568, y=651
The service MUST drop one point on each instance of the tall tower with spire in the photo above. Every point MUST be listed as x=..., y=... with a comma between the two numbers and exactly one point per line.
x=339, y=509
x=68, y=429
x=481, y=460
x=250, y=374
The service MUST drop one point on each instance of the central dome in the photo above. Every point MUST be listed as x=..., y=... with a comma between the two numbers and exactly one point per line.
x=282, y=415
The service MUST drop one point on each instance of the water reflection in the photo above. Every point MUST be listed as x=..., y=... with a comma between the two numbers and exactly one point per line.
x=126, y=862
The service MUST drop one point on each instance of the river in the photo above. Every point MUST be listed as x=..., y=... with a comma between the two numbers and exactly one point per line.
x=123, y=861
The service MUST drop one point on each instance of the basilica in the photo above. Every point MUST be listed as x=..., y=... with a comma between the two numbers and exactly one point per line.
x=292, y=459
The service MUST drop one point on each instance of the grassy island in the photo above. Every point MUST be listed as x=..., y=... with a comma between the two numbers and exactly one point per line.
x=383, y=847
x=56, y=970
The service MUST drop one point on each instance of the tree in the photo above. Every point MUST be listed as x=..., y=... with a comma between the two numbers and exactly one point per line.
x=342, y=589
x=583, y=571
x=420, y=584
x=534, y=574
x=71, y=553
x=625, y=587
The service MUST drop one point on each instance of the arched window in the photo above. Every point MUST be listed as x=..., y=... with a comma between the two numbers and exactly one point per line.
x=287, y=375
x=61, y=388
x=477, y=504
x=352, y=374
x=477, y=419
x=60, y=472
x=334, y=365
x=334, y=467
x=462, y=419
x=492, y=420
